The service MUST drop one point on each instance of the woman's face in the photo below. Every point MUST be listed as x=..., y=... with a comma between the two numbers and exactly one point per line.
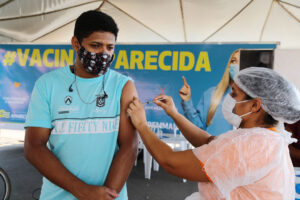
x=235, y=59
x=240, y=95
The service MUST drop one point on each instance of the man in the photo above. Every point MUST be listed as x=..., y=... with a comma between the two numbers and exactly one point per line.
x=77, y=132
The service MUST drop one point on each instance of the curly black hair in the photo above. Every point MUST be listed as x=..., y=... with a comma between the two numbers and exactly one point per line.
x=92, y=21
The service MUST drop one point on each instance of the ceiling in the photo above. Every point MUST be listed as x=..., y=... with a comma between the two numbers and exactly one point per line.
x=157, y=21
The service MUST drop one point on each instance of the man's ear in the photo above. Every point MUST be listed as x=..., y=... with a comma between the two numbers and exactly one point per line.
x=75, y=43
x=256, y=105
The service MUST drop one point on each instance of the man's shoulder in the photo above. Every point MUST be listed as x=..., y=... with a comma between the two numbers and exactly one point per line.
x=113, y=72
x=52, y=75
x=117, y=76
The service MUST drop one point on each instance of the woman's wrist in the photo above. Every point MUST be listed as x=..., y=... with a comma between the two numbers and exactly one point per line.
x=186, y=99
x=173, y=113
x=141, y=126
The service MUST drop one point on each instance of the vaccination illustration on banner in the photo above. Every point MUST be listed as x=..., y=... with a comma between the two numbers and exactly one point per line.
x=191, y=73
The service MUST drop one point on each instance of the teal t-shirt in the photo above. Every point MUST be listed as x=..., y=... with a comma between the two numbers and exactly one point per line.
x=83, y=135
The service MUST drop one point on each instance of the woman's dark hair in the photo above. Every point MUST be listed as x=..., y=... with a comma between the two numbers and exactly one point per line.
x=92, y=21
x=268, y=119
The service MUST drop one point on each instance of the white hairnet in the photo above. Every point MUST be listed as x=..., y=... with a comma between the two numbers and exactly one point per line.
x=279, y=97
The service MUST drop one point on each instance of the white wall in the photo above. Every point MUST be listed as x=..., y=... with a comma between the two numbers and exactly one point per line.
x=287, y=63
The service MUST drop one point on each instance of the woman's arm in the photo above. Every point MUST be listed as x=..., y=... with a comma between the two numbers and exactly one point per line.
x=183, y=163
x=191, y=132
x=193, y=114
x=187, y=105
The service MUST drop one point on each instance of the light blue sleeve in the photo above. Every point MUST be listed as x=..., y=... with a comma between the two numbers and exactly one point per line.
x=39, y=114
x=196, y=116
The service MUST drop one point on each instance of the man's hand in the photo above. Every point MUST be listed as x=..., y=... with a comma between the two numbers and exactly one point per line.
x=185, y=91
x=137, y=113
x=98, y=193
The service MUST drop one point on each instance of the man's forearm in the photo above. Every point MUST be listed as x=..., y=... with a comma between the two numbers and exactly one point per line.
x=50, y=167
x=121, y=167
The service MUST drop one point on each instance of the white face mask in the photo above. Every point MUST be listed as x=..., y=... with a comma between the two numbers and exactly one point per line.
x=227, y=108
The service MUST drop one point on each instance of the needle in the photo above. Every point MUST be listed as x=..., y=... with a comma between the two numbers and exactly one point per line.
x=148, y=102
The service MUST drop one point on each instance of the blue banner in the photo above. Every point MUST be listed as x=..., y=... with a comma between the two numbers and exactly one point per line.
x=154, y=68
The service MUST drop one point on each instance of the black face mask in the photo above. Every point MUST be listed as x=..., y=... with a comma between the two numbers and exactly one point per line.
x=95, y=63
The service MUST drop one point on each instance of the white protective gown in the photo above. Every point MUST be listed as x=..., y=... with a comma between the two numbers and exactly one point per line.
x=247, y=164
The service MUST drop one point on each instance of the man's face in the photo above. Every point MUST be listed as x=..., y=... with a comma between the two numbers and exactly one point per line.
x=100, y=42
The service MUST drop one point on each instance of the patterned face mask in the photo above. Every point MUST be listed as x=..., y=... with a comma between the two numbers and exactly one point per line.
x=95, y=63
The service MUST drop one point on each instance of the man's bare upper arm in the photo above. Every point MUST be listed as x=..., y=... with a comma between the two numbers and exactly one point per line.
x=126, y=129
